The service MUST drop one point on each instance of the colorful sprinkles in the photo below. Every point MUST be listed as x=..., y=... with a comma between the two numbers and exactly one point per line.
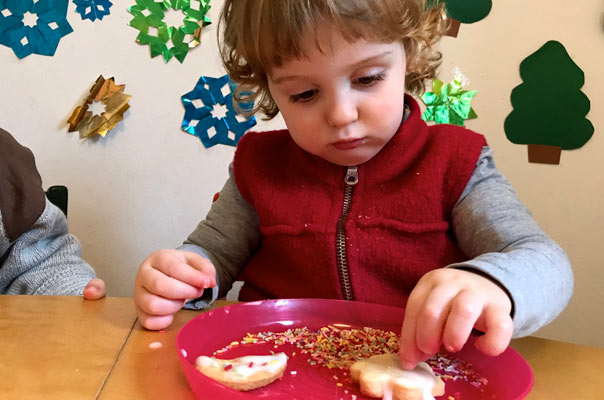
x=330, y=346
x=338, y=348
x=451, y=368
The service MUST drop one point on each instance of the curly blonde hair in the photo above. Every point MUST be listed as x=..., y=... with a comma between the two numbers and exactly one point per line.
x=256, y=35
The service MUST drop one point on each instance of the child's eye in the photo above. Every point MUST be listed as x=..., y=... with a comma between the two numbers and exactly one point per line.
x=302, y=97
x=369, y=80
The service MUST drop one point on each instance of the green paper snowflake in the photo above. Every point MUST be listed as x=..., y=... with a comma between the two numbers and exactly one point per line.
x=448, y=104
x=154, y=31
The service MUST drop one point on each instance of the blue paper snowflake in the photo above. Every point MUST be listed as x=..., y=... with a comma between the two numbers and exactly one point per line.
x=92, y=9
x=200, y=121
x=33, y=26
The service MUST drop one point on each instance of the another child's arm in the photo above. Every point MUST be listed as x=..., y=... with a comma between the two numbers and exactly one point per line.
x=46, y=260
x=217, y=249
x=515, y=271
x=37, y=253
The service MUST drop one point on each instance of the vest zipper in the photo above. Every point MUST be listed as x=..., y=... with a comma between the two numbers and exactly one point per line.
x=351, y=179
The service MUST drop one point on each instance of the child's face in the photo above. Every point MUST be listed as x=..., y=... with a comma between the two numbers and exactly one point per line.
x=343, y=103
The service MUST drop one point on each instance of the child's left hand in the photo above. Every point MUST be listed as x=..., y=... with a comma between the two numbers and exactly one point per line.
x=94, y=290
x=444, y=307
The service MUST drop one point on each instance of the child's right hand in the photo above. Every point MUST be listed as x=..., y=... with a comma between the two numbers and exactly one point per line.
x=165, y=280
x=443, y=309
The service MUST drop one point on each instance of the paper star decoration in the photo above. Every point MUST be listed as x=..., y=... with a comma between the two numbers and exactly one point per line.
x=154, y=31
x=92, y=9
x=113, y=102
x=33, y=26
x=449, y=104
x=200, y=109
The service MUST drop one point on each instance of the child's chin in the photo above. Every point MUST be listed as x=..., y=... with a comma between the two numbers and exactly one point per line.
x=353, y=158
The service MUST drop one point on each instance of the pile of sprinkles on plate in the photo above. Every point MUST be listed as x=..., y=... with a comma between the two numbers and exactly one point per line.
x=336, y=347
x=330, y=346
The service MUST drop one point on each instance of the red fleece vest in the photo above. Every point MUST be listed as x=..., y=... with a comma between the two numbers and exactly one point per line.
x=399, y=223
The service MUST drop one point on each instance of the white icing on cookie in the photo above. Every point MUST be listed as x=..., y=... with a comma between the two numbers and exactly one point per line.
x=245, y=366
x=386, y=371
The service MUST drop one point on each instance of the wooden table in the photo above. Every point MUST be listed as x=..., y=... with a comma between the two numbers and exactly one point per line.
x=60, y=347
x=145, y=373
x=562, y=370
x=68, y=348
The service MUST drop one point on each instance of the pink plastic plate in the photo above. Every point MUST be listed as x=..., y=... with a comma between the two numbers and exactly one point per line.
x=509, y=375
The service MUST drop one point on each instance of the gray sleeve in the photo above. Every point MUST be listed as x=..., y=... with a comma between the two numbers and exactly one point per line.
x=46, y=259
x=228, y=236
x=498, y=233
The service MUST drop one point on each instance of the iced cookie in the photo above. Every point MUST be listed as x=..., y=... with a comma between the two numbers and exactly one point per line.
x=243, y=373
x=381, y=376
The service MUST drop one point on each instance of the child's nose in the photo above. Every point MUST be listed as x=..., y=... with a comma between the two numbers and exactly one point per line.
x=341, y=111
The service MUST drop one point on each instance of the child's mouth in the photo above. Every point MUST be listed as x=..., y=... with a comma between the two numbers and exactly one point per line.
x=348, y=144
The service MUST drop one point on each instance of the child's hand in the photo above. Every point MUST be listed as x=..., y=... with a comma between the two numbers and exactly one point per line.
x=94, y=290
x=445, y=306
x=165, y=280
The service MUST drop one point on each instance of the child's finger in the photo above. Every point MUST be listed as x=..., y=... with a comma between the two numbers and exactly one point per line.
x=174, y=263
x=154, y=305
x=465, y=311
x=203, y=265
x=181, y=271
x=156, y=282
x=431, y=319
x=409, y=353
x=94, y=290
x=154, y=322
x=498, y=332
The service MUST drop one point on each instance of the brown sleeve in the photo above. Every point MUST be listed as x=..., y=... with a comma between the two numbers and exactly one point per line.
x=22, y=198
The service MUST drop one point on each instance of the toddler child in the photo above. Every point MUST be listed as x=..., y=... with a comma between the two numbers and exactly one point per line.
x=359, y=199
x=37, y=253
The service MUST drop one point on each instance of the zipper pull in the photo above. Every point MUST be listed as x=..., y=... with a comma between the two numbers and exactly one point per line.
x=352, y=176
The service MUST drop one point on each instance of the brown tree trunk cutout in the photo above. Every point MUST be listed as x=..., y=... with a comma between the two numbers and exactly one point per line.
x=544, y=154
x=454, y=25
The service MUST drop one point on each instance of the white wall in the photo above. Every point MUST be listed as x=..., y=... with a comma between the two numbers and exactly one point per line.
x=565, y=199
x=147, y=184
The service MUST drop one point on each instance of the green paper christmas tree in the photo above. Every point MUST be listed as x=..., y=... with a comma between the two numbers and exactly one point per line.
x=463, y=11
x=549, y=107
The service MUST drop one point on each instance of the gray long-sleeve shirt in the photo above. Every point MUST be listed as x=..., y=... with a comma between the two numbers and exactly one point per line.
x=45, y=260
x=492, y=227
x=37, y=253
